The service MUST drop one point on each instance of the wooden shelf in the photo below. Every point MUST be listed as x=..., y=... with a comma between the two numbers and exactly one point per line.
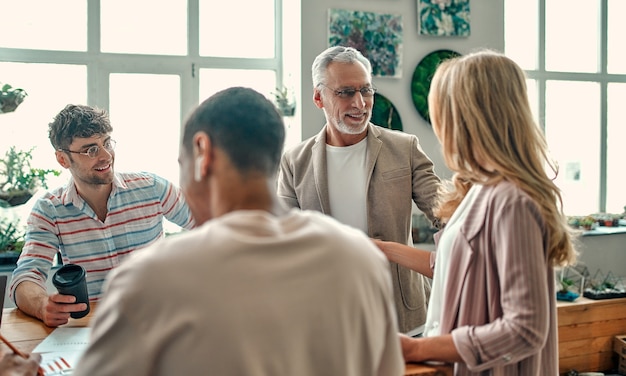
x=586, y=331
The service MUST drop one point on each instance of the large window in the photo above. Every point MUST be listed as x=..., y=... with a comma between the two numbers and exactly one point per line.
x=147, y=63
x=573, y=55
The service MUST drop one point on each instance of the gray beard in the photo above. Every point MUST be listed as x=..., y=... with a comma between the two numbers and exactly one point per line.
x=345, y=129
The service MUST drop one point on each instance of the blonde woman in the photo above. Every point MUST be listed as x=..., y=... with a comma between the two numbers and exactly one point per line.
x=505, y=229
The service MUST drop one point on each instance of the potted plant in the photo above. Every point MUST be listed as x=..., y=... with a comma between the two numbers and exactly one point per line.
x=565, y=290
x=10, y=98
x=570, y=283
x=18, y=179
x=11, y=240
x=601, y=287
x=284, y=101
x=587, y=222
x=573, y=221
x=615, y=219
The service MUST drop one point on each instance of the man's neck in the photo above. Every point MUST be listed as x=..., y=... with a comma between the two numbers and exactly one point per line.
x=251, y=193
x=96, y=196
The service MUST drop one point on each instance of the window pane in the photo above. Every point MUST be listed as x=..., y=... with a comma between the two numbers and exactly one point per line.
x=521, y=32
x=616, y=31
x=214, y=80
x=573, y=134
x=50, y=87
x=572, y=35
x=145, y=115
x=533, y=100
x=237, y=28
x=142, y=27
x=616, y=136
x=43, y=24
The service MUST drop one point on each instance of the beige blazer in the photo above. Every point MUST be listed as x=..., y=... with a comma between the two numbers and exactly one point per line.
x=398, y=172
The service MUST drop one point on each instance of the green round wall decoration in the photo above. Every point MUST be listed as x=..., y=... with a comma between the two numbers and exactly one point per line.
x=385, y=114
x=423, y=74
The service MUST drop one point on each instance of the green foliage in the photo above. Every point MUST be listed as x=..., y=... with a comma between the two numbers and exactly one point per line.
x=587, y=221
x=17, y=175
x=444, y=18
x=10, y=98
x=423, y=75
x=11, y=236
x=377, y=36
x=284, y=101
x=385, y=114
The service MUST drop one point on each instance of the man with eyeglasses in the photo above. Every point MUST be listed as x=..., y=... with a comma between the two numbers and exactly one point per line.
x=363, y=175
x=97, y=220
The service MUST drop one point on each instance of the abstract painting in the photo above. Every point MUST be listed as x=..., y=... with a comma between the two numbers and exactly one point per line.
x=377, y=36
x=444, y=17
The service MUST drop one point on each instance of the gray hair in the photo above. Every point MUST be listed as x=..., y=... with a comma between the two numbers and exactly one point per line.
x=336, y=54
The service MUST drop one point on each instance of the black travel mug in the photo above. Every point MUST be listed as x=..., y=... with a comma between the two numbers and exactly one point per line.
x=70, y=280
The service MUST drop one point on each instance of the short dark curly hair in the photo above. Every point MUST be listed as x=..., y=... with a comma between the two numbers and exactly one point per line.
x=77, y=121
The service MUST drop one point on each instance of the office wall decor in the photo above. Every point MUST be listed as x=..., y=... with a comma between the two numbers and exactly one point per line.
x=377, y=36
x=423, y=74
x=385, y=114
x=444, y=17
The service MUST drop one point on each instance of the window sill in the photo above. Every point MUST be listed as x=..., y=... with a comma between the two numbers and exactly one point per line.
x=604, y=230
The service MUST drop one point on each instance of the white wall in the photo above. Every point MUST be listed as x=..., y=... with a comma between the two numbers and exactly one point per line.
x=487, y=30
x=606, y=253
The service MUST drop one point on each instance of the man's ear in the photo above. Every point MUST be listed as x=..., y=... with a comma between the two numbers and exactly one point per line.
x=317, y=98
x=202, y=154
x=62, y=159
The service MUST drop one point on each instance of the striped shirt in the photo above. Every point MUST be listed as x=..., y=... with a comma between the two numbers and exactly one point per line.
x=61, y=221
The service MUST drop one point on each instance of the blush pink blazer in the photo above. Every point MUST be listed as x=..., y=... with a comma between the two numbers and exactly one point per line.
x=500, y=300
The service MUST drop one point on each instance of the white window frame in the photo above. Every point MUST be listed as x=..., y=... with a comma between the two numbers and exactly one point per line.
x=602, y=77
x=100, y=64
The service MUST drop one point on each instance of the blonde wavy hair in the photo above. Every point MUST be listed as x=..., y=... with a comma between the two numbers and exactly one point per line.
x=480, y=113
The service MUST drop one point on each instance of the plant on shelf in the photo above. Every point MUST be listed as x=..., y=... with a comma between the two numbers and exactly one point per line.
x=587, y=222
x=11, y=237
x=284, y=101
x=18, y=179
x=573, y=221
x=604, y=287
x=615, y=219
x=570, y=282
x=10, y=98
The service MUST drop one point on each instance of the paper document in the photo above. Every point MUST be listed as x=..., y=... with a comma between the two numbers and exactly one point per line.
x=59, y=363
x=61, y=350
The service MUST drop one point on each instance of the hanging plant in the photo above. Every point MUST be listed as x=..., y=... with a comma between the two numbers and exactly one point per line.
x=18, y=179
x=10, y=98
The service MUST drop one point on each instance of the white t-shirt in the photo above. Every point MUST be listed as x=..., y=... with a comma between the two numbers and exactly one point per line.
x=347, y=184
x=440, y=275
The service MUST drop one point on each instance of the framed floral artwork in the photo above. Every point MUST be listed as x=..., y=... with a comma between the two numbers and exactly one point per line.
x=377, y=36
x=444, y=17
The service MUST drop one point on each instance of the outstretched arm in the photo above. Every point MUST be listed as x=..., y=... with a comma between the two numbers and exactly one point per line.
x=413, y=258
x=438, y=348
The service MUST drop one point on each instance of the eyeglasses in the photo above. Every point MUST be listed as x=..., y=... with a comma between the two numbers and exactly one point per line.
x=366, y=92
x=93, y=151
